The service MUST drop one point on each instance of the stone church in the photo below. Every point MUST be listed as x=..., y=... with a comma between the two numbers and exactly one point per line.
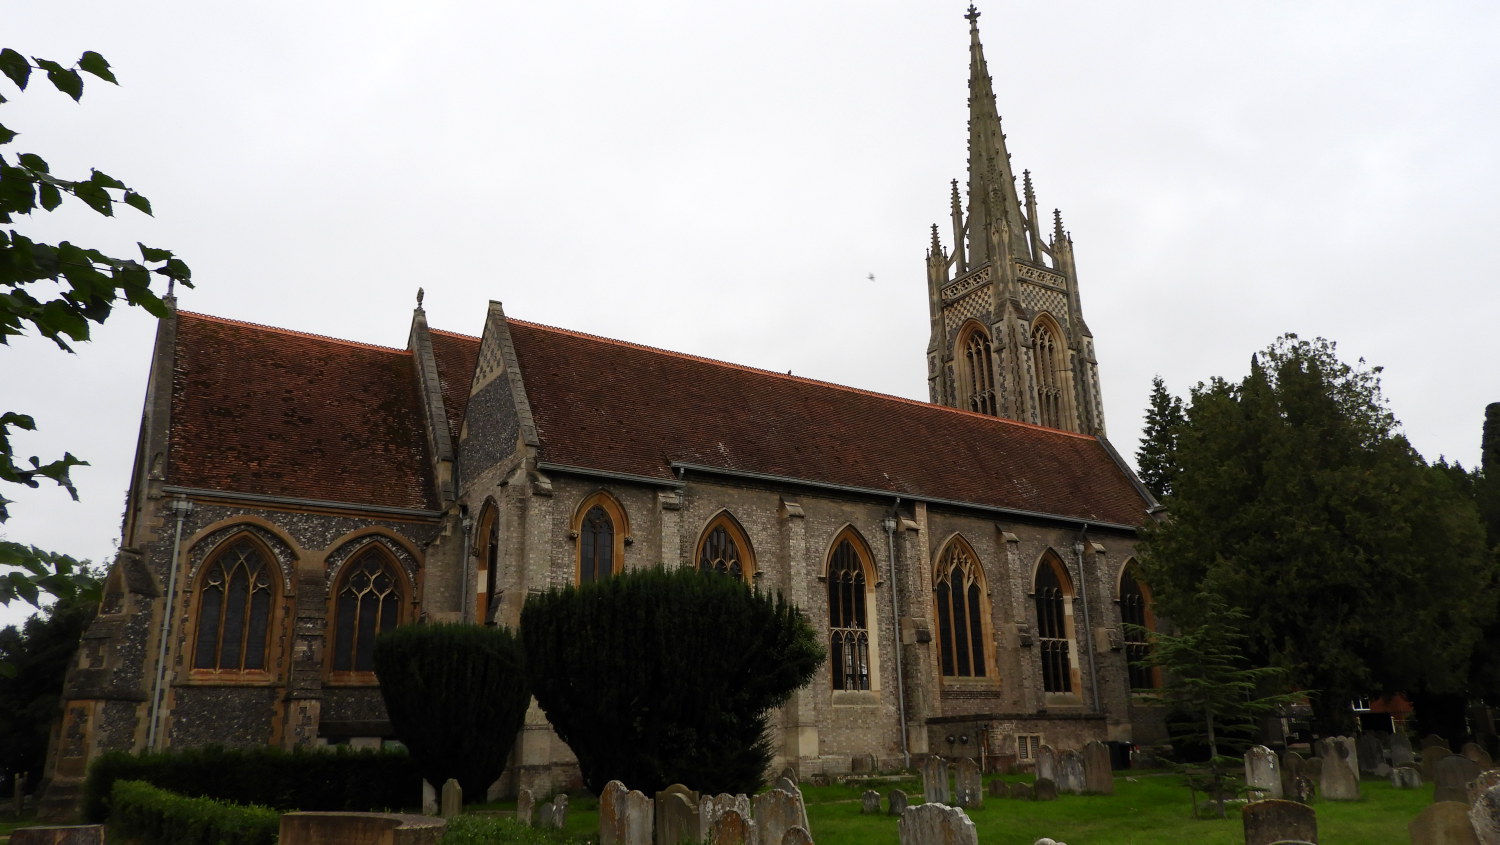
x=967, y=561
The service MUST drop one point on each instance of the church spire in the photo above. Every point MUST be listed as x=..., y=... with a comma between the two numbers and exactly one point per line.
x=992, y=184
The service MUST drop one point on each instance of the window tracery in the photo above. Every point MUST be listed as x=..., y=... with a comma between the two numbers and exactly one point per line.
x=235, y=595
x=848, y=627
x=960, y=621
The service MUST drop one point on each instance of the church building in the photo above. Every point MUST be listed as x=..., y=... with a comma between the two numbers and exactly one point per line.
x=968, y=561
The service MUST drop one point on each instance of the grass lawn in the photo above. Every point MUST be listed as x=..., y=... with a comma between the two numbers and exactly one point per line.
x=1147, y=809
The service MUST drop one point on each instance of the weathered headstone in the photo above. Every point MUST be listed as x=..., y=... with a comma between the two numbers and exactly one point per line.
x=710, y=807
x=1406, y=777
x=789, y=773
x=558, y=817
x=776, y=812
x=1274, y=820
x=1046, y=763
x=638, y=814
x=731, y=828
x=1347, y=751
x=870, y=803
x=935, y=780
x=1022, y=792
x=1451, y=776
x=1484, y=816
x=1482, y=783
x=1046, y=789
x=968, y=784
x=1401, y=749
x=1443, y=823
x=1098, y=776
x=1474, y=751
x=1435, y=741
x=525, y=803
x=1070, y=772
x=1312, y=768
x=929, y=824
x=1370, y=751
x=862, y=764
x=429, y=799
x=82, y=834
x=797, y=836
x=612, y=813
x=677, y=818
x=787, y=784
x=896, y=799
x=453, y=799
x=1340, y=780
x=1302, y=790
x=1291, y=766
x=1263, y=772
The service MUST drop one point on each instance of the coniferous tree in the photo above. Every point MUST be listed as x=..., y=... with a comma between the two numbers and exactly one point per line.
x=1358, y=568
x=1157, y=456
x=654, y=677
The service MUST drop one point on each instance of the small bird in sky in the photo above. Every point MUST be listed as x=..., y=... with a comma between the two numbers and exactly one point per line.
x=871, y=277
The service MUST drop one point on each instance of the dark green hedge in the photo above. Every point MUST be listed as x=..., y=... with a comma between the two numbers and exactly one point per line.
x=318, y=779
x=144, y=813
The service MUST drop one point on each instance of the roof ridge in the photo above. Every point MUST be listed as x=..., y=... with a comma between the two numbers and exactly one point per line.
x=292, y=332
x=459, y=335
x=789, y=377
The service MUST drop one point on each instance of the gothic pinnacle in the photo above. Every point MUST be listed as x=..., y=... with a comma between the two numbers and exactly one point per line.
x=937, y=244
x=1030, y=195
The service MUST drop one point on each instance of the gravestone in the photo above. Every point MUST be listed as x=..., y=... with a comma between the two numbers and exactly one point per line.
x=731, y=828
x=1274, y=820
x=935, y=780
x=1474, y=751
x=1340, y=780
x=787, y=784
x=789, y=773
x=1070, y=772
x=83, y=834
x=1302, y=790
x=1098, y=778
x=453, y=799
x=1022, y=792
x=776, y=812
x=429, y=799
x=557, y=817
x=524, y=805
x=1443, y=823
x=1370, y=751
x=862, y=764
x=1046, y=789
x=1482, y=783
x=1322, y=747
x=1435, y=741
x=710, y=807
x=1291, y=767
x=638, y=819
x=1451, y=778
x=796, y=836
x=1346, y=749
x=870, y=803
x=1263, y=772
x=1046, y=763
x=1406, y=777
x=612, y=813
x=677, y=818
x=998, y=789
x=1401, y=750
x=1485, y=816
x=896, y=800
x=969, y=785
x=936, y=824
x=1312, y=769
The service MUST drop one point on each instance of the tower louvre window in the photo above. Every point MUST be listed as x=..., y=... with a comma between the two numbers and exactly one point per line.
x=978, y=368
x=1048, y=364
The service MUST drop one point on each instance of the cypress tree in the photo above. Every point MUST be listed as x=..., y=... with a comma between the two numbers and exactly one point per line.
x=1157, y=456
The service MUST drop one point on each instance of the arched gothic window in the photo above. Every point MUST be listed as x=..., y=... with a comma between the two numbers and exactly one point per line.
x=1047, y=358
x=848, y=625
x=958, y=595
x=1053, y=592
x=596, y=546
x=367, y=602
x=488, y=553
x=724, y=549
x=1135, y=610
x=977, y=363
x=235, y=594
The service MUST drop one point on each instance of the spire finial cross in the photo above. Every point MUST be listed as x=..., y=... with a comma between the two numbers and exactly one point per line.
x=973, y=14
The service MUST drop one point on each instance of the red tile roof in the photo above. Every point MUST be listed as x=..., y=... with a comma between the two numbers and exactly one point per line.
x=456, y=355
x=619, y=407
x=270, y=411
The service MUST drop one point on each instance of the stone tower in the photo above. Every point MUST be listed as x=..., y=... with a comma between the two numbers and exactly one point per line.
x=1008, y=336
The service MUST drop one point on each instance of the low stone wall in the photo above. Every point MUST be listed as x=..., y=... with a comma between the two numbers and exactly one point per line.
x=361, y=828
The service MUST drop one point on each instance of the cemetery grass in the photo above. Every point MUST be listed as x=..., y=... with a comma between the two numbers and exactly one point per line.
x=1147, y=809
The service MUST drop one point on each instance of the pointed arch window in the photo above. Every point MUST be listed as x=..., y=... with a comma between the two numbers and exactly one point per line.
x=1047, y=359
x=1054, y=592
x=724, y=549
x=488, y=553
x=367, y=603
x=235, y=597
x=977, y=365
x=600, y=529
x=848, y=623
x=959, y=594
x=1135, y=613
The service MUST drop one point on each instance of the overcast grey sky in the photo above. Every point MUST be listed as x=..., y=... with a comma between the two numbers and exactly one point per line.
x=722, y=178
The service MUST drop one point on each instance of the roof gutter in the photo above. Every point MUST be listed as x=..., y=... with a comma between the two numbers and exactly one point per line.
x=289, y=501
x=910, y=497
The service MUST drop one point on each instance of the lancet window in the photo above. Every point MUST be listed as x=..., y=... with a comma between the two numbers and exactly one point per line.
x=848, y=626
x=977, y=364
x=1053, y=593
x=1135, y=613
x=1047, y=357
x=367, y=602
x=235, y=595
x=959, y=594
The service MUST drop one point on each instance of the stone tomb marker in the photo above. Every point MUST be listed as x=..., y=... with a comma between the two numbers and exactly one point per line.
x=796, y=836
x=453, y=799
x=1340, y=780
x=776, y=812
x=429, y=799
x=1485, y=816
x=969, y=784
x=936, y=824
x=612, y=813
x=1371, y=752
x=1022, y=792
x=1070, y=772
x=1443, y=823
x=1406, y=777
x=525, y=803
x=870, y=803
x=1046, y=789
x=1450, y=778
x=710, y=807
x=896, y=798
x=677, y=816
x=1482, y=783
x=1274, y=820
x=1046, y=763
x=558, y=816
x=1401, y=749
x=997, y=789
x=1263, y=772
x=1098, y=779
x=1474, y=751
x=1291, y=767
x=731, y=828
x=935, y=780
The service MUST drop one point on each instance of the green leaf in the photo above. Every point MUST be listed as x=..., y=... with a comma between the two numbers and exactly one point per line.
x=67, y=81
x=94, y=63
x=137, y=202
x=177, y=270
x=6, y=136
x=99, y=177
x=15, y=66
x=33, y=161
x=49, y=196
x=152, y=254
x=97, y=198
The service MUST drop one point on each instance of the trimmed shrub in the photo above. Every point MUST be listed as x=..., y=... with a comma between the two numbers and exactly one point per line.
x=144, y=813
x=456, y=695
x=313, y=779
x=657, y=677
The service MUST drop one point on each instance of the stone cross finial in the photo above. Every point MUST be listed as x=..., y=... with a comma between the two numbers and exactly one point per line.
x=973, y=14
